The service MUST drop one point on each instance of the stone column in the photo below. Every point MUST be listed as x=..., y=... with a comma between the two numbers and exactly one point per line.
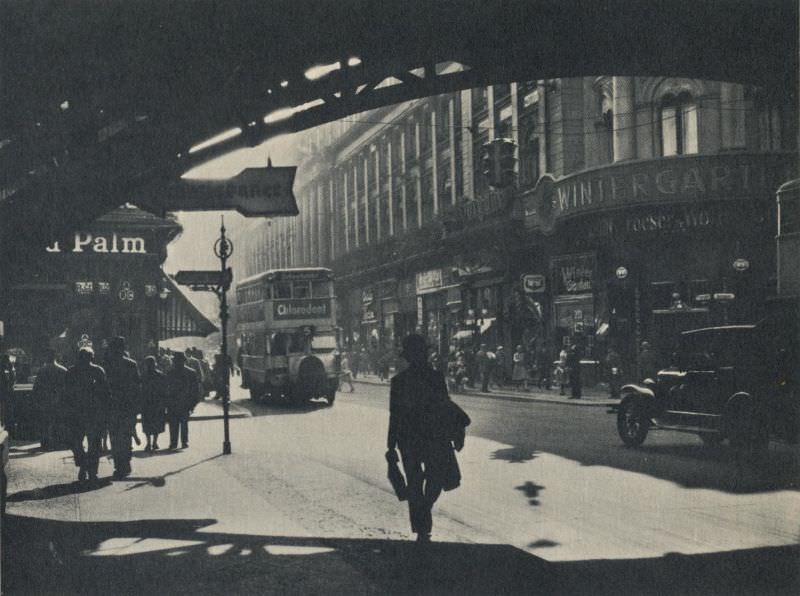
x=467, y=170
x=367, y=217
x=624, y=118
x=355, y=205
x=390, y=180
x=403, y=173
x=451, y=110
x=435, y=162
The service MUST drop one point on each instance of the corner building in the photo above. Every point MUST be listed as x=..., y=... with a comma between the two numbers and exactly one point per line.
x=643, y=205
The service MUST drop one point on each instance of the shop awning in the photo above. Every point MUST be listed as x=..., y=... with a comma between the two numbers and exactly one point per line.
x=178, y=317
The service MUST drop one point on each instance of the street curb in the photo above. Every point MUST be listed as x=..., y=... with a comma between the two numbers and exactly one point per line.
x=522, y=398
x=219, y=417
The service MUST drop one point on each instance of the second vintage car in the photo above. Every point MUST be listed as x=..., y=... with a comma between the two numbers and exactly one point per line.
x=734, y=382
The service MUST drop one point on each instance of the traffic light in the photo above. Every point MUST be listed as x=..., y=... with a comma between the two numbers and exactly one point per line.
x=507, y=161
x=498, y=162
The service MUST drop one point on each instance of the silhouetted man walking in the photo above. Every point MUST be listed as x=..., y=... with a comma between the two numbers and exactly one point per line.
x=125, y=402
x=85, y=405
x=48, y=391
x=418, y=426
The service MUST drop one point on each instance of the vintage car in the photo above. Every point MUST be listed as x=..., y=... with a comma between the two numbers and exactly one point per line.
x=736, y=382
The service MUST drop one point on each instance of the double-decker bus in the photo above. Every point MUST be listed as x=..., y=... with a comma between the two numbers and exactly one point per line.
x=287, y=335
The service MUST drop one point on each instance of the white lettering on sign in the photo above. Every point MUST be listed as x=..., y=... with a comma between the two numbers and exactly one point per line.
x=305, y=309
x=86, y=242
x=427, y=280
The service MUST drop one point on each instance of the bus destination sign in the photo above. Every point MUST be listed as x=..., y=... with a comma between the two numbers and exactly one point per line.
x=287, y=310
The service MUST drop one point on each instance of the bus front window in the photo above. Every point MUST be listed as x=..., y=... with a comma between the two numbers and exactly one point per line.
x=282, y=290
x=301, y=289
x=320, y=289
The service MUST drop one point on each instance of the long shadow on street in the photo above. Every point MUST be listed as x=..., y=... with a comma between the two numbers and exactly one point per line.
x=178, y=557
x=588, y=435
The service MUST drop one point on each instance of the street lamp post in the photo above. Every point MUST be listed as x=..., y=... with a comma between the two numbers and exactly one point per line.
x=223, y=249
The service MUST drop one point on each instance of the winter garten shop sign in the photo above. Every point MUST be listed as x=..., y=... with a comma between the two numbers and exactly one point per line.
x=684, y=179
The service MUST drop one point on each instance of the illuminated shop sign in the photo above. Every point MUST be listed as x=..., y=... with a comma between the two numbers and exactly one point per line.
x=684, y=179
x=428, y=280
x=573, y=274
x=101, y=243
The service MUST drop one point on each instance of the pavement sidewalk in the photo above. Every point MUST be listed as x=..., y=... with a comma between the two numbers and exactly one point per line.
x=591, y=397
x=211, y=409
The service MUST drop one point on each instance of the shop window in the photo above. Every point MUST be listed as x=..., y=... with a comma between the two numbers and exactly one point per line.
x=769, y=121
x=678, y=120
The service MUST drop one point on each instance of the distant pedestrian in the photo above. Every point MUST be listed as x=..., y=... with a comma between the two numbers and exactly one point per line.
x=574, y=355
x=482, y=363
x=154, y=393
x=648, y=362
x=183, y=393
x=193, y=363
x=355, y=362
x=8, y=379
x=218, y=374
x=422, y=427
x=613, y=363
x=124, y=403
x=346, y=374
x=48, y=394
x=86, y=397
x=501, y=367
x=544, y=361
x=519, y=374
x=561, y=374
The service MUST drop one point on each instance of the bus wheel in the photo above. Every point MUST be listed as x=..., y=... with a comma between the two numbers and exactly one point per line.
x=255, y=392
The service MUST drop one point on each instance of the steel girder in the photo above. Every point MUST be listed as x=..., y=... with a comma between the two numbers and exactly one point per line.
x=101, y=102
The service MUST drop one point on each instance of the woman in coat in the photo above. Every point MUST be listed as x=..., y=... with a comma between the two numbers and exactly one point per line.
x=153, y=402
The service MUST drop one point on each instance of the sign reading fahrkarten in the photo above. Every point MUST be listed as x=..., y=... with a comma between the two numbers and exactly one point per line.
x=253, y=192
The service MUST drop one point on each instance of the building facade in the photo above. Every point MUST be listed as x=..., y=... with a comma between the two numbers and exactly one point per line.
x=641, y=205
x=97, y=283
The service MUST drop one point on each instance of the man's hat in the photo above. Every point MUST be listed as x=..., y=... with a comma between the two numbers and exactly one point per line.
x=414, y=348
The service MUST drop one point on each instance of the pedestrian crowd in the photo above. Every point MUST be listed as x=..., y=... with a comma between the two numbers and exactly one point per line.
x=93, y=403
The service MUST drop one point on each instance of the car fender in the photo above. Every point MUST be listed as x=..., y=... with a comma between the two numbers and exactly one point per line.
x=646, y=394
x=741, y=412
x=634, y=389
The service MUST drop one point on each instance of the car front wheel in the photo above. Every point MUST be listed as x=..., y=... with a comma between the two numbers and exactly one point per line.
x=632, y=421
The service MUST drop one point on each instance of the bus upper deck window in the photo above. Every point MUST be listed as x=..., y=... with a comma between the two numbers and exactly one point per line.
x=320, y=289
x=282, y=289
x=301, y=289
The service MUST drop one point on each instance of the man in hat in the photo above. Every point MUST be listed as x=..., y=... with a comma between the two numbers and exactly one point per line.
x=125, y=385
x=48, y=391
x=183, y=393
x=84, y=411
x=416, y=430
